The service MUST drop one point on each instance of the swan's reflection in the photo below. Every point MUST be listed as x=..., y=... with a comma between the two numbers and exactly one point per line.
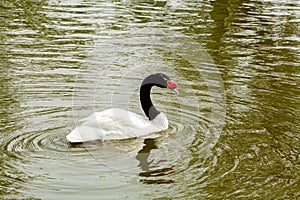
x=150, y=168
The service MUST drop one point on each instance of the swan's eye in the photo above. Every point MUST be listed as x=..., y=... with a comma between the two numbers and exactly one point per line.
x=163, y=76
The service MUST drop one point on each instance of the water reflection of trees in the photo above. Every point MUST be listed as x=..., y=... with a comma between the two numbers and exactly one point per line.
x=29, y=44
x=257, y=45
x=25, y=13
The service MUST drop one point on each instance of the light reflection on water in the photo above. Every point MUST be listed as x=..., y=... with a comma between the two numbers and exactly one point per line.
x=63, y=60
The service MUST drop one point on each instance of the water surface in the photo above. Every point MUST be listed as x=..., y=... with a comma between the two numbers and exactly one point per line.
x=234, y=128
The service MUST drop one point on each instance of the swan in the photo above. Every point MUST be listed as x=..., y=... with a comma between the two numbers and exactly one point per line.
x=116, y=123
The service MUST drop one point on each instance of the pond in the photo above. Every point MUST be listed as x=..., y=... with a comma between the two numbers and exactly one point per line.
x=233, y=129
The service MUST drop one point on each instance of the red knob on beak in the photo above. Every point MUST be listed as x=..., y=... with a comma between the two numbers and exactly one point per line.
x=171, y=84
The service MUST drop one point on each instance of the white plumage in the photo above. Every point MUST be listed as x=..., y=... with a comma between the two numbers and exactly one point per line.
x=115, y=123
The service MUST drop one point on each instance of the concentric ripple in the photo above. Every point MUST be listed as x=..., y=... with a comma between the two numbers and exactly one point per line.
x=195, y=116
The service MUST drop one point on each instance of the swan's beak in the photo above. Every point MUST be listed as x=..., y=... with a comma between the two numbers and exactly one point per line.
x=172, y=85
x=175, y=91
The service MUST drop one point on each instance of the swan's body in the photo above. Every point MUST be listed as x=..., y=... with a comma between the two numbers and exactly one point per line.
x=115, y=123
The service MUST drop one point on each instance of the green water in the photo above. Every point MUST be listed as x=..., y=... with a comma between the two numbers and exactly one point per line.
x=233, y=130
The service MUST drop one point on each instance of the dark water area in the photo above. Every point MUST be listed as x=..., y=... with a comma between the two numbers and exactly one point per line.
x=234, y=129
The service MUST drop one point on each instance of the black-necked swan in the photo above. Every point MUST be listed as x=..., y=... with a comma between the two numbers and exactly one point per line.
x=115, y=123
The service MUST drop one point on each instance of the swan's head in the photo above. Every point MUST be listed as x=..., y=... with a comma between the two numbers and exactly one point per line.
x=164, y=81
x=160, y=80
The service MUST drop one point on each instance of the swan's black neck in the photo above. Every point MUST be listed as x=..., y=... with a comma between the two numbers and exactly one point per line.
x=150, y=111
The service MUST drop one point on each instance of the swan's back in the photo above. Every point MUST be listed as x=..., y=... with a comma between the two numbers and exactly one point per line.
x=115, y=123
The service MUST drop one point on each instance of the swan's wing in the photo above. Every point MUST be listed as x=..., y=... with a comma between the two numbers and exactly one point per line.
x=115, y=124
x=85, y=133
